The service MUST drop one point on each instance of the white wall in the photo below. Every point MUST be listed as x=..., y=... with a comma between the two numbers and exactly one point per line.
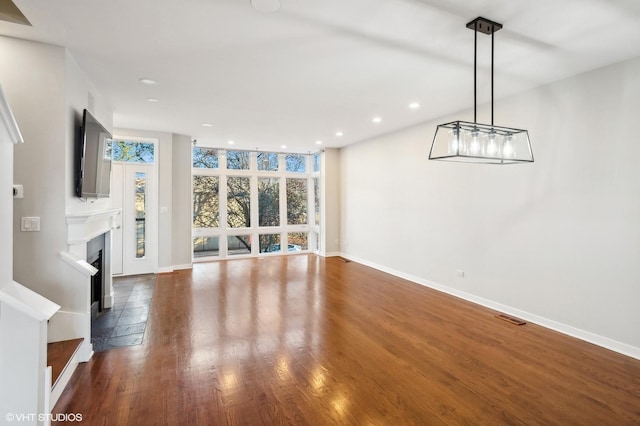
x=182, y=245
x=81, y=94
x=46, y=90
x=557, y=241
x=32, y=75
x=330, y=203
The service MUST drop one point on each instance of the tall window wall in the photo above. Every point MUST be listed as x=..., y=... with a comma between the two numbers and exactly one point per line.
x=254, y=203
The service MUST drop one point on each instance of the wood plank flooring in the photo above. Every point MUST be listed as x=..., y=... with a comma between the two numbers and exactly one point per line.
x=311, y=341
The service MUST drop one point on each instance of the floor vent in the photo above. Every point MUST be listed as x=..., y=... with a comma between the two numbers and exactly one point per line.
x=512, y=320
x=345, y=260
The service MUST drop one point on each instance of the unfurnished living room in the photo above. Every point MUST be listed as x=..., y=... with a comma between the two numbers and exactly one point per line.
x=365, y=212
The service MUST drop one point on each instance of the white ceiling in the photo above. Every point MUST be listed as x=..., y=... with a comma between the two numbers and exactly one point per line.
x=314, y=67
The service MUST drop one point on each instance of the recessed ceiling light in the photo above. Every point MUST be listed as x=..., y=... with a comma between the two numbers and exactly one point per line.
x=339, y=134
x=318, y=142
x=283, y=146
x=207, y=125
x=147, y=81
x=266, y=6
x=376, y=120
x=152, y=100
x=414, y=105
x=230, y=142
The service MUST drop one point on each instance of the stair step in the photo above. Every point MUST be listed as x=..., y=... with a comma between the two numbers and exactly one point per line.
x=59, y=355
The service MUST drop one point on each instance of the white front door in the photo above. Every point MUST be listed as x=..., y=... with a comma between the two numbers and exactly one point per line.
x=135, y=239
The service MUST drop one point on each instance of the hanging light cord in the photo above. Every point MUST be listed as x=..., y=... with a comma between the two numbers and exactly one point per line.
x=492, y=32
x=475, y=73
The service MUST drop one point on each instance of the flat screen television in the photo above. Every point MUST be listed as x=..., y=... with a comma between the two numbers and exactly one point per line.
x=93, y=168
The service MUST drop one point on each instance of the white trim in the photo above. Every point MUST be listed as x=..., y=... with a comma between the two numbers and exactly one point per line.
x=55, y=391
x=82, y=227
x=584, y=335
x=79, y=264
x=331, y=254
x=182, y=267
x=169, y=269
x=27, y=301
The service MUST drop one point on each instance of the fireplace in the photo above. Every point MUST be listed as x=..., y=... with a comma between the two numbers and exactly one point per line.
x=95, y=257
x=96, y=285
x=88, y=240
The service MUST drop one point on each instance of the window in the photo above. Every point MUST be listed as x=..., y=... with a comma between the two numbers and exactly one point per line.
x=270, y=243
x=268, y=202
x=205, y=158
x=206, y=246
x=268, y=161
x=141, y=212
x=130, y=151
x=296, y=163
x=206, y=206
x=238, y=160
x=239, y=244
x=297, y=241
x=238, y=202
x=316, y=199
x=316, y=163
x=249, y=203
x=296, y=201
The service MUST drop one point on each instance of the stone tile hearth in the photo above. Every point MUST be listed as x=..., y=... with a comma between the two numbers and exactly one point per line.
x=125, y=323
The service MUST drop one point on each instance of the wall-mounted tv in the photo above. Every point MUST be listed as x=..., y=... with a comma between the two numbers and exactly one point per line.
x=93, y=165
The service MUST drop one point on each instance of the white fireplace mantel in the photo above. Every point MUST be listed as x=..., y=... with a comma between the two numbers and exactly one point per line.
x=84, y=226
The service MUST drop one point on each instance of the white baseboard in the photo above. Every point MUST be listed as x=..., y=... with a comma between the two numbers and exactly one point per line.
x=587, y=336
x=181, y=267
x=108, y=301
x=169, y=269
x=330, y=254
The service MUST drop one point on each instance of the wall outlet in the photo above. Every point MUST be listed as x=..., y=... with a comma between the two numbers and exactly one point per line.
x=18, y=191
x=460, y=273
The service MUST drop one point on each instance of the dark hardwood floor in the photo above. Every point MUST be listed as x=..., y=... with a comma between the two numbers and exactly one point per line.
x=313, y=341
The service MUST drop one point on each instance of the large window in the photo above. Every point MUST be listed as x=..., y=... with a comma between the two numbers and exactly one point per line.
x=253, y=203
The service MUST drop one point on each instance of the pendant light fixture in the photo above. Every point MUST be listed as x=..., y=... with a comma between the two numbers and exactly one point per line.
x=481, y=143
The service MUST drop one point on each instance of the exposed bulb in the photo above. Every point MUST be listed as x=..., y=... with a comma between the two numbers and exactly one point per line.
x=492, y=147
x=454, y=143
x=474, y=148
x=507, y=148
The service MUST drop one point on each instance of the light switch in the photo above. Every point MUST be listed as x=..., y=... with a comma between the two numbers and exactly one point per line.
x=30, y=224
